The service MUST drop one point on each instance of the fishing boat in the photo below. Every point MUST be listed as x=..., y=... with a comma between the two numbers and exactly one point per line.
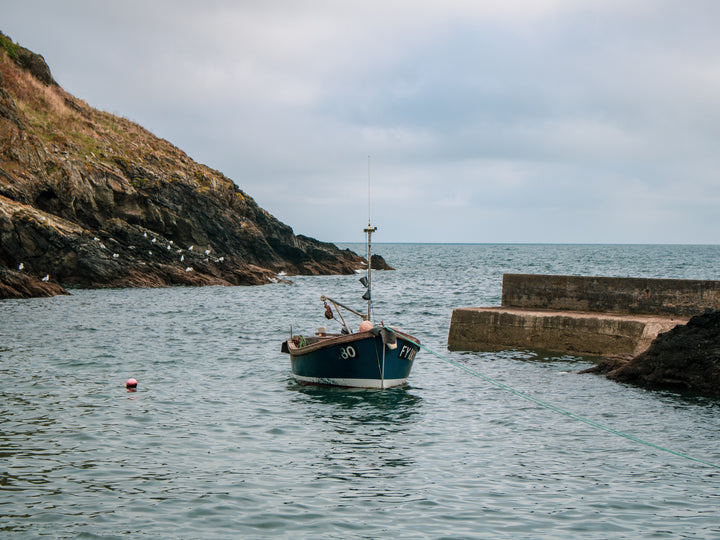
x=374, y=356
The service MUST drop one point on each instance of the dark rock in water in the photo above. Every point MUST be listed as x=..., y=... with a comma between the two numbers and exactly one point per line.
x=90, y=199
x=685, y=358
x=608, y=364
x=378, y=263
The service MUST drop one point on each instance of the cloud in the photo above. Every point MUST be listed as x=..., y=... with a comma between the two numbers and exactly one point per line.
x=524, y=121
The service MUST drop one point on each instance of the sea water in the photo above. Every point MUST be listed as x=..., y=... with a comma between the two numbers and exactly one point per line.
x=219, y=442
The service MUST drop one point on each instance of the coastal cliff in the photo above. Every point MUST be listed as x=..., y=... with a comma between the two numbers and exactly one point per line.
x=90, y=199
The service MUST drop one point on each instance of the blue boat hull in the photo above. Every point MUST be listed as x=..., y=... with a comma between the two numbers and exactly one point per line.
x=361, y=360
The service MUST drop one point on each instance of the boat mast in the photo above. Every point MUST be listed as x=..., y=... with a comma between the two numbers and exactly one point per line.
x=368, y=295
x=368, y=231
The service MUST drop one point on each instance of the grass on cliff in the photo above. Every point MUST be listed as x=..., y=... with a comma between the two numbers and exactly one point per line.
x=12, y=49
x=70, y=129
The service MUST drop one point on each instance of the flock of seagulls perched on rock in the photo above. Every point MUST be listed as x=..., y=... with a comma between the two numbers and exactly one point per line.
x=21, y=266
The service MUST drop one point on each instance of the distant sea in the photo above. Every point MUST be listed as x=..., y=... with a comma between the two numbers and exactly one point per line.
x=219, y=442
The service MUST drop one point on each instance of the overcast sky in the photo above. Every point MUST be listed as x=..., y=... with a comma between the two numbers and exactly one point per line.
x=568, y=121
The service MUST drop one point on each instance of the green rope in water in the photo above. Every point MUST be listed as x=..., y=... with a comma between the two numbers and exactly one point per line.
x=563, y=411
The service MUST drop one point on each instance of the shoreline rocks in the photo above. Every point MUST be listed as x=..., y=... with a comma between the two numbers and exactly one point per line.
x=15, y=284
x=687, y=358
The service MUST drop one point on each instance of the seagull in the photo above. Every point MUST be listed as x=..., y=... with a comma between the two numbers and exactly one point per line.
x=207, y=252
x=182, y=258
x=102, y=245
x=145, y=234
x=221, y=259
x=21, y=266
x=154, y=240
x=115, y=255
x=149, y=252
x=96, y=239
x=190, y=248
x=188, y=269
x=168, y=248
x=46, y=278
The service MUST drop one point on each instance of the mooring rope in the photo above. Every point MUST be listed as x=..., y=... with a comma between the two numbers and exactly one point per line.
x=559, y=410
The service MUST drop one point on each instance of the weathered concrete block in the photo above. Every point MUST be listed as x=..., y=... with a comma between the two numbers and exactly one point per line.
x=581, y=333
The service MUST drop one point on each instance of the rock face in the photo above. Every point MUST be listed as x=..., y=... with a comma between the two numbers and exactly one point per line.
x=21, y=285
x=685, y=358
x=88, y=199
x=378, y=263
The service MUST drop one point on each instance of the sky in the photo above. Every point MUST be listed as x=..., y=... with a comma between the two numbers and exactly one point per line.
x=509, y=121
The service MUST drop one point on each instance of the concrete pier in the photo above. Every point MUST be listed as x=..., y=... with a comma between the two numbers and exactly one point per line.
x=598, y=316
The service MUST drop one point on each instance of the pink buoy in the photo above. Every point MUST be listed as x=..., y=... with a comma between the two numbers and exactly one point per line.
x=131, y=383
x=365, y=326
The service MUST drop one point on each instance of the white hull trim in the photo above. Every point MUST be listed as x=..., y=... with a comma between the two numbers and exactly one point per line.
x=351, y=383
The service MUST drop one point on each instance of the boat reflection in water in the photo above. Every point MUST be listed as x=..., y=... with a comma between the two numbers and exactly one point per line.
x=365, y=435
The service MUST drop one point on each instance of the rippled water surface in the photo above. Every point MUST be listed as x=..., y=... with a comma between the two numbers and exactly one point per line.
x=219, y=442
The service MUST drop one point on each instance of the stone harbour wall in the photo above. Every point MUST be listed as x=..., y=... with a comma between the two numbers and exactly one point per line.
x=583, y=315
x=673, y=297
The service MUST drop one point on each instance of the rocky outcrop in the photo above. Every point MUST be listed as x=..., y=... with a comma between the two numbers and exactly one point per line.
x=685, y=358
x=89, y=199
x=378, y=263
x=26, y=59
x=15, y=284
